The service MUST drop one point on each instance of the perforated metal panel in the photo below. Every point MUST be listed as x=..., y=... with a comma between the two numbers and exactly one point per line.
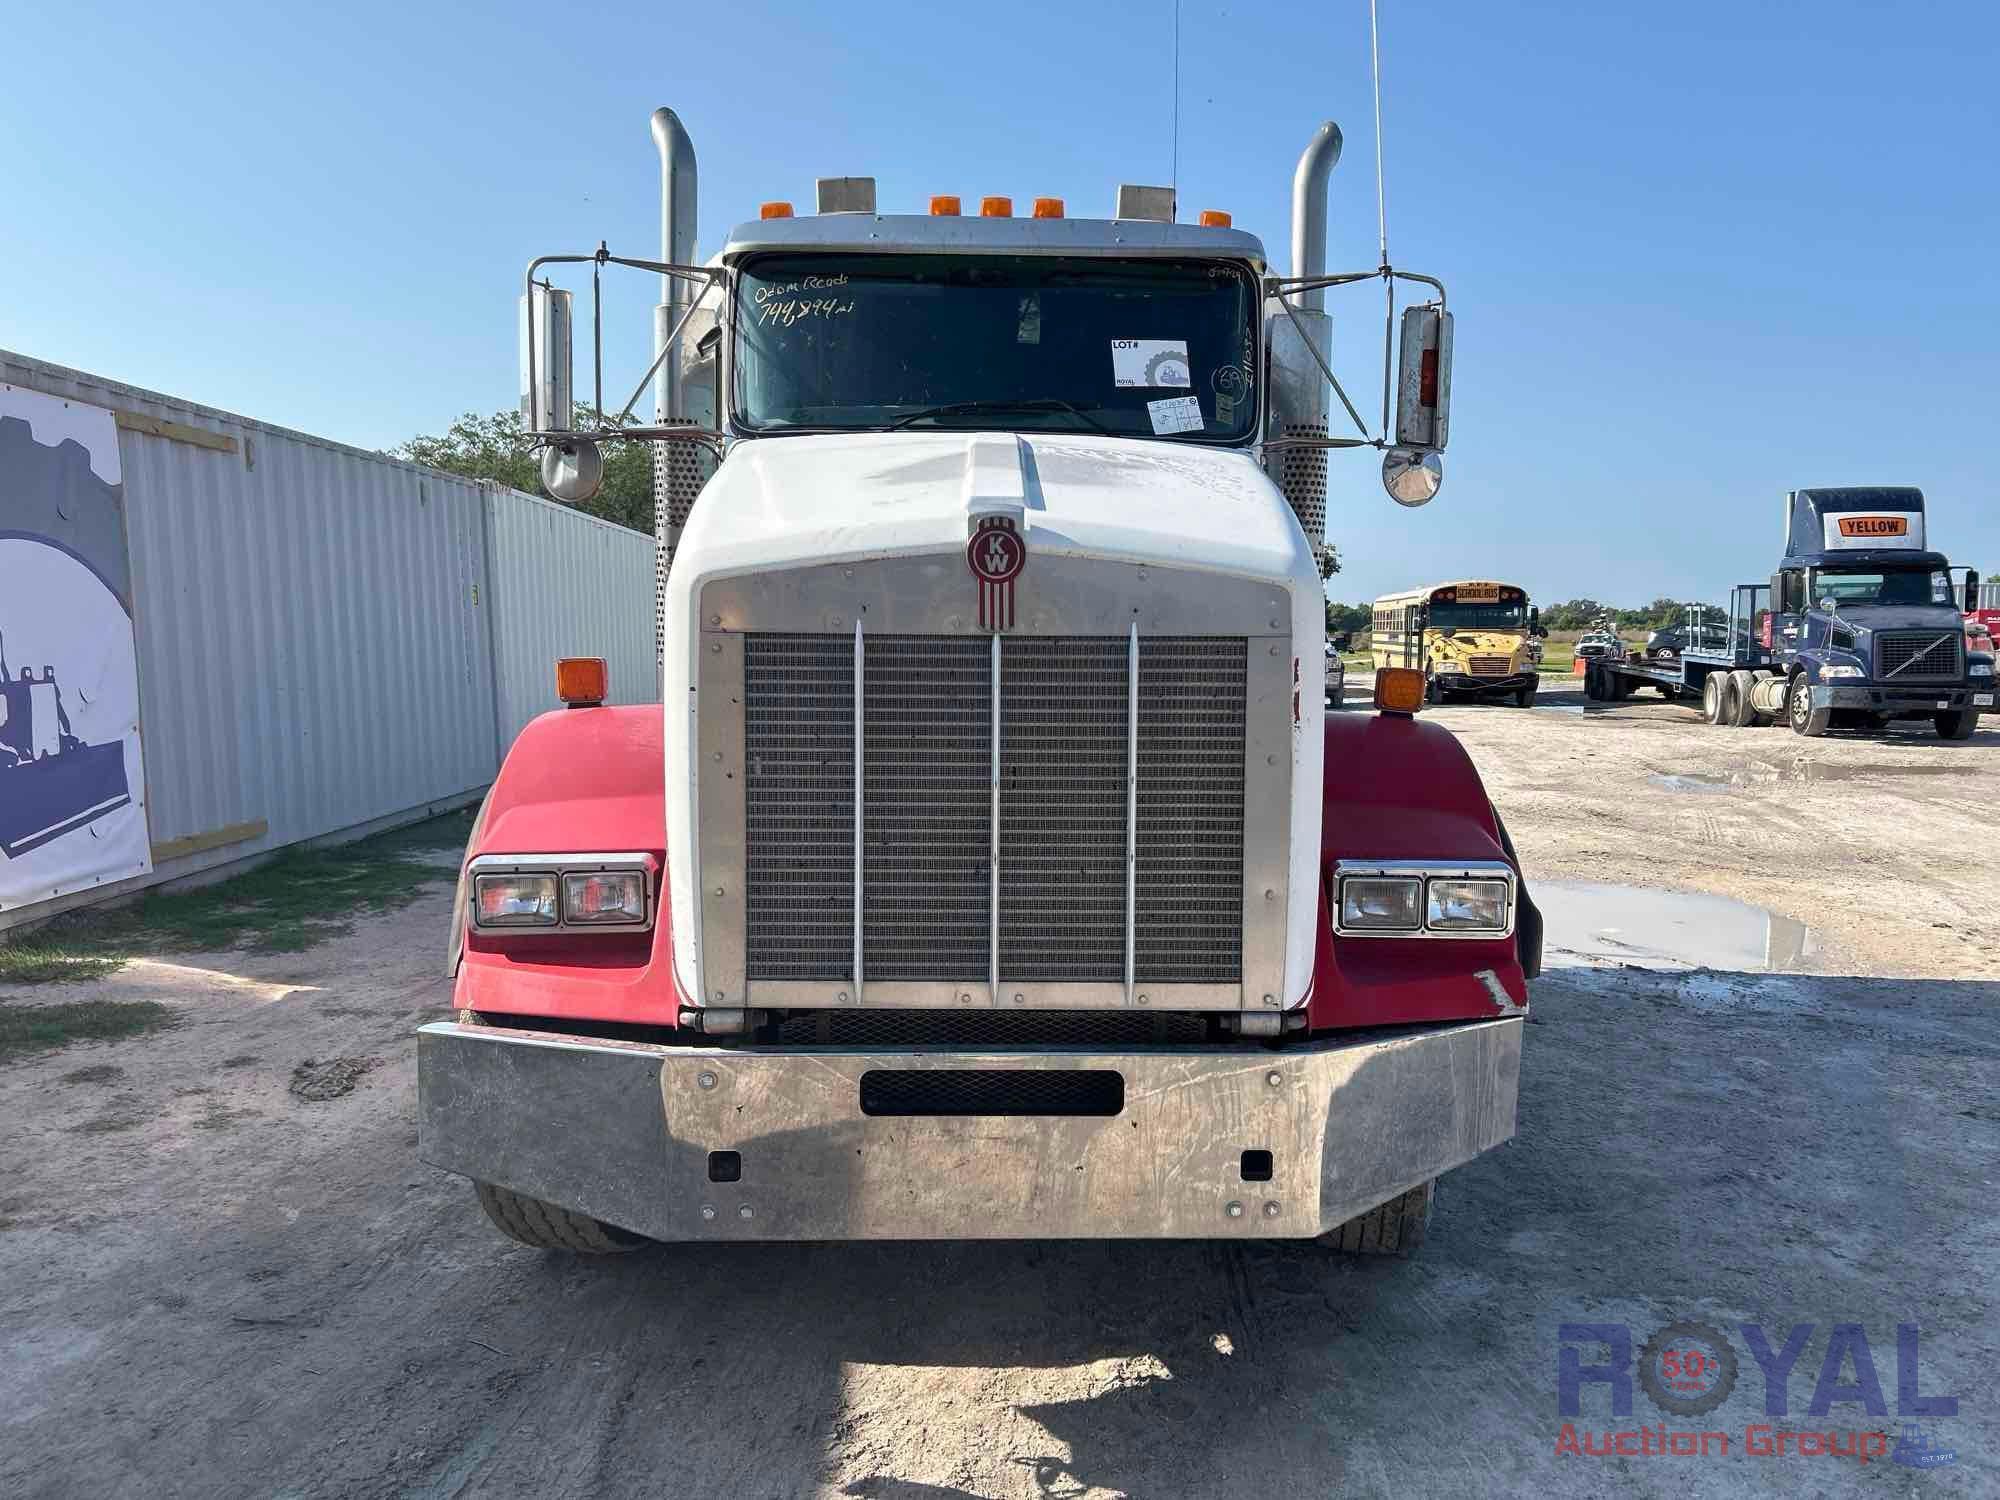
x=680, y=469
x=1063, y=761
x=798, y=743
x=994, y=1028
x=927, y=808
x=991, y=1091
x=1190, y=825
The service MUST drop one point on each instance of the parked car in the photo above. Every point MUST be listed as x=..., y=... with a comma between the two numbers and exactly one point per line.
x=1336, y=675
x=1668, y=643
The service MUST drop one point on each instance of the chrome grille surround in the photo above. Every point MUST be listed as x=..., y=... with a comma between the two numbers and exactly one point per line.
x=1917, y=656
x=1077, y=789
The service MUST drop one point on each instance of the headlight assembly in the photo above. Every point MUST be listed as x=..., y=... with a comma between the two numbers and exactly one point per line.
x=1420, y=899
x=558, y=893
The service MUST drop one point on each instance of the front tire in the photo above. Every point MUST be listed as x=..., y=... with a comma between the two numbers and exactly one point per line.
x=547, y=1227
x=1525, y=697
x=1803, y=717
x=1956, y=725
x=1393, y=1228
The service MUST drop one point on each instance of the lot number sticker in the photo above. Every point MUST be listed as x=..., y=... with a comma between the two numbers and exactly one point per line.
x=1150, y=362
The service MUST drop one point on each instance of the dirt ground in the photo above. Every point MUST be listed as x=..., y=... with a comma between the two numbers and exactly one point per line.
x=223, y=1271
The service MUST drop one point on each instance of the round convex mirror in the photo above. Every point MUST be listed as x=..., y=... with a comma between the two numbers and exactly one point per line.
x=572, y=472
x=1412, y=475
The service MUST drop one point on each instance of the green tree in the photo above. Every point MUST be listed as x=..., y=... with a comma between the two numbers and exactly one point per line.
x=1353, y=618
x=1573, y=614
x=493, y=448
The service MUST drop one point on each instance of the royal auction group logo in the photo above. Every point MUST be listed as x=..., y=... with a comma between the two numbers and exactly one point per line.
x=1688, y=1369
x=996, y=554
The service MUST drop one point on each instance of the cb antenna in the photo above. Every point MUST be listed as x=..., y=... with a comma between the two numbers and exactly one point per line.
x=1174, y=179
x=1382, y=216
x=1381, y=201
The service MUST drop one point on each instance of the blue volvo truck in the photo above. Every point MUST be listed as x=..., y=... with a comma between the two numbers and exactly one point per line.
x=1861, y=626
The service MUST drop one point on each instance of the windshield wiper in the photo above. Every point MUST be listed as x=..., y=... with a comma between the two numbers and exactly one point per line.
x=972, y=408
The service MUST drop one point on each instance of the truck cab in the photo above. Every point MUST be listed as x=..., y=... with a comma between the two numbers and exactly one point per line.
x=1866, y=624
x=990, y=868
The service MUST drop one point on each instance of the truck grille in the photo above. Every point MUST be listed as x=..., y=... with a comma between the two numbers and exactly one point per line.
x=928, y=817
x=1920, y=655
x=1488, y=666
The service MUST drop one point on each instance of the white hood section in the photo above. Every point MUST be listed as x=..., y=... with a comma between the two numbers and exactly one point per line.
x=778, y=503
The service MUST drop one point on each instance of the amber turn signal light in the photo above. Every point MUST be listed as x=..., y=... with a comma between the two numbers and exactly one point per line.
x=582, y=681
x=1215, y=218
x=1399, y=690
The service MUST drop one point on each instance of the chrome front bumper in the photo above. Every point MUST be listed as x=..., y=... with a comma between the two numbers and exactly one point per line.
x=629, y=1133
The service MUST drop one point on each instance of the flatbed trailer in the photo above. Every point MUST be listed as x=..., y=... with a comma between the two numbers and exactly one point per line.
x=1719, y=679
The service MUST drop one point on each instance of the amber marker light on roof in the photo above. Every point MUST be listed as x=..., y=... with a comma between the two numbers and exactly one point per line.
x=1215, y=218
x=1048, y=208
x=945, y=205
x=996, y=208
x=776, y=209
x=1399, y=690
x=582, y=681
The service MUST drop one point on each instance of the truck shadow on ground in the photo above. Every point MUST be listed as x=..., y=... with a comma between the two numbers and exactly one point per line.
x=1731, y=1146
x=1745, y=1145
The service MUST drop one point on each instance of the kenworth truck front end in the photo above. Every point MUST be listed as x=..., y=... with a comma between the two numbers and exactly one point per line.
x=992, y=868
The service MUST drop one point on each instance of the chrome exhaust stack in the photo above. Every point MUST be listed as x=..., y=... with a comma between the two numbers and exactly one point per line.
x=677, y=470
x=1298, y=389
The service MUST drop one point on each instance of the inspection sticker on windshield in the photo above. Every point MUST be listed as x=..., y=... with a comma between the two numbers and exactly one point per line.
x=1175, y=414
x=1150, y=362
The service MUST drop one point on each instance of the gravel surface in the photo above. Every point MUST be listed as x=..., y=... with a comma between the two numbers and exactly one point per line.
x=226, y=1288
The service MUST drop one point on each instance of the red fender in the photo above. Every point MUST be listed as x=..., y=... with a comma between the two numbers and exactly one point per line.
x=588, y=781
x=1398, y=788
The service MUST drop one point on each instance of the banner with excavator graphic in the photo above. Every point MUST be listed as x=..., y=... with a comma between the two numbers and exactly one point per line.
x=72, y=775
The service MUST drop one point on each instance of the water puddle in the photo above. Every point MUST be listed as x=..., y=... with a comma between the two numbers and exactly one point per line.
x=1693, y=781
x=1590, y=924
x=1819, y=770
x=1762, y=773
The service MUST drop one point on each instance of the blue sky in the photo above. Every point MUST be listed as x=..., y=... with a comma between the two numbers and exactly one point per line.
x=1699, y=253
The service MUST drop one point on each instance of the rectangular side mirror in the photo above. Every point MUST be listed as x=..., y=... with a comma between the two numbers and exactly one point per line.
x=547, y=361
x=1777, y=593
x=1971, y=591
x=1423, y=379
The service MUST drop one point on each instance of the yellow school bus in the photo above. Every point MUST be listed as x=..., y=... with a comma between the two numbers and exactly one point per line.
x=1472, y=638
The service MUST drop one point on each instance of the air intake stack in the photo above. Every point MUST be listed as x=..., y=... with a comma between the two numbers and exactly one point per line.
x=1298, y=394
x=677, y=473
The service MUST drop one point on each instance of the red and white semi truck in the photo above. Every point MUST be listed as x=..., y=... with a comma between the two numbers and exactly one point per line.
x=991, y=869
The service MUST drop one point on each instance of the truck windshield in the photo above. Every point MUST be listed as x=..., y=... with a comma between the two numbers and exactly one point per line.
x=1139, y=348
x=1899, y=586
x=1479, y=616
